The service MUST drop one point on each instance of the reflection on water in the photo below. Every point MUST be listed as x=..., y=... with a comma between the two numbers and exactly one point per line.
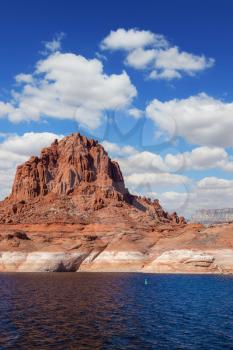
x=115, y=311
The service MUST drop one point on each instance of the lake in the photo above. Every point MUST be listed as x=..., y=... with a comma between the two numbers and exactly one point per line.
x=115, y=311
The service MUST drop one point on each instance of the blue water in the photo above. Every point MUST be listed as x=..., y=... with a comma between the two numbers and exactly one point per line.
x=115, y=311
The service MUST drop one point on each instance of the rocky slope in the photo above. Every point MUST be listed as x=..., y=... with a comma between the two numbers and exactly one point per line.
x=213, y=216
x=69, y=210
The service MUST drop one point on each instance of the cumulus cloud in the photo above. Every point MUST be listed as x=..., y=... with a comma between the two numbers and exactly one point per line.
x=168, y=63
x=149, y=173
x=143, y=162
x=140, y=58
x=133, y=161
x=208, y=193
x=143, y=171
x=16, y=149
x=28, y=143
x=122, y=39
x=214, y=183
x=176, y=201
x=115, y=150
x=143, y=180
x=69, y=86
x=199, y=119
x=200, y=158
x=163, y=177
x=147, y=50
x=175, y=60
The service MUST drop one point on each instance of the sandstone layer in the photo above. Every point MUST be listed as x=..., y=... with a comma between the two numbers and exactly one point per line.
x=69, y=210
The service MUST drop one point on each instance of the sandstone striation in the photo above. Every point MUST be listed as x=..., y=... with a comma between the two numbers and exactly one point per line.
x=69, y=210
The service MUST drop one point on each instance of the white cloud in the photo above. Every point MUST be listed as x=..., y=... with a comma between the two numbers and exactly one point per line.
x=15, y=150
x=167, y=63
x=176, y=201
x=123, y=39
x=6, y=179
x=142, y=162
x=150, y=174
x=140, y=58
x=136, y=113
x=174, y=60
x=5, y=108
x=24, y=78
x=208, y=193
x=69, y=86
x=166, y=74
x=200, y=158
x=101, y=57
x=116, y=150
x=133, y=161
x=214, y=183
x=213, y=192
x=143, y=171
x=150, y=51
x=144, y=180
x=199, y=119
x=55, y=44
x=29, y=143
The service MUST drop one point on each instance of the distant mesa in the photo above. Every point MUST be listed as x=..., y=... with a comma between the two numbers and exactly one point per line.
x=213, y=216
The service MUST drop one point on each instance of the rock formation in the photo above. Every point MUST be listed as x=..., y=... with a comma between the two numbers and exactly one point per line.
x=70, y=181
x=69, y=210
x=213, y=216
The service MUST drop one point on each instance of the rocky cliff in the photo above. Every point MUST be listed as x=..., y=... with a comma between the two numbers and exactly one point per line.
x=64, y=167
x=69, y=210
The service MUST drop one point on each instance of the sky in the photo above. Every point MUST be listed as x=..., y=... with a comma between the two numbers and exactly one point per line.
x=151, y=80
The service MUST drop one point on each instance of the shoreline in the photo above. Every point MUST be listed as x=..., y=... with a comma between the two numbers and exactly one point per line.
x=120, y=272
x=172, y=261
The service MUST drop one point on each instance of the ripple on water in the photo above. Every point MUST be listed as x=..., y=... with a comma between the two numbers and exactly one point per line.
x=115, y=311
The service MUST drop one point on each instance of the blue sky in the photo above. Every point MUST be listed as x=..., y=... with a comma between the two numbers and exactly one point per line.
x=161, y=85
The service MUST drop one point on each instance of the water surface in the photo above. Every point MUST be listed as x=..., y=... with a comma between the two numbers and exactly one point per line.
x=115, y=311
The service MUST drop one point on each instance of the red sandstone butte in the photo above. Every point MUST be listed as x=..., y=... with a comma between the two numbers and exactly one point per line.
x=69, y=210
x=72, y=181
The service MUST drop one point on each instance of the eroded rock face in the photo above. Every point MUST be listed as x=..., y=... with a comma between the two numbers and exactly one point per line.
x=183, y=260
x=74, y=247
x=63, y=166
